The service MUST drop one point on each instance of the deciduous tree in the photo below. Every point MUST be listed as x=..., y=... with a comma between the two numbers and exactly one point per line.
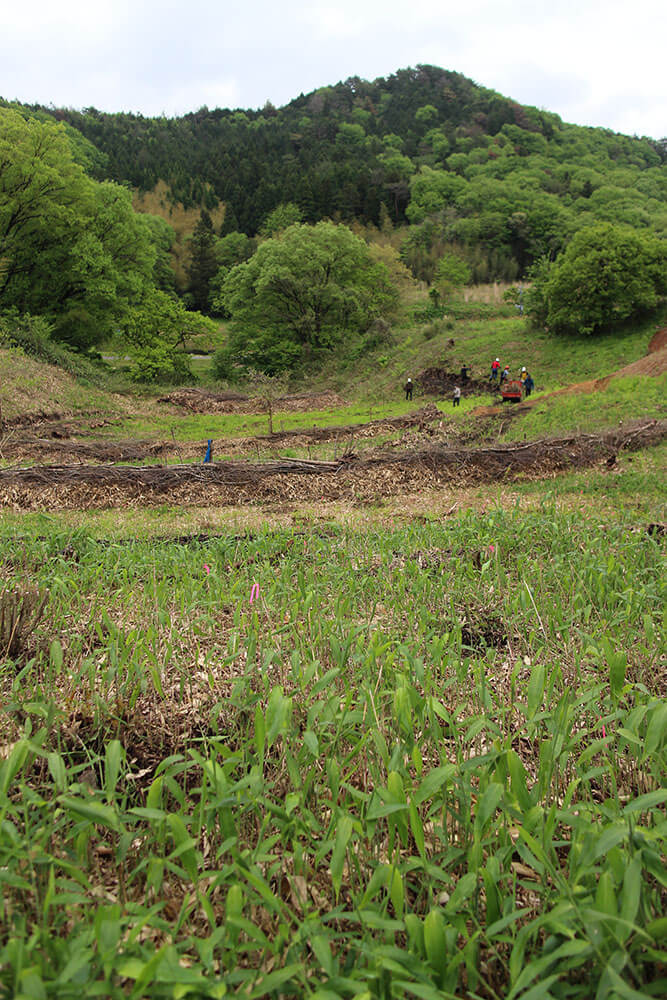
x=607, y=275
x=301, y=291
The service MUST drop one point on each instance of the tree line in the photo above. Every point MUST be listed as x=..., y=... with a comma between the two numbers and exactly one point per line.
x=425, y=148
x=472, y=186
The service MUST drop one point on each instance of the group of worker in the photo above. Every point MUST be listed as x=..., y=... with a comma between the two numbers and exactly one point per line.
x=497, y=375
x=525, y=377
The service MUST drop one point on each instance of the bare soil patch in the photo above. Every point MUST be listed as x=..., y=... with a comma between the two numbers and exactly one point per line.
x=298, y=480
x=440, y=382
x=658, y=341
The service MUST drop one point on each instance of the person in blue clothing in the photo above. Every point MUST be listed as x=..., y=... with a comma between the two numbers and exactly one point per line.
x=528, y=384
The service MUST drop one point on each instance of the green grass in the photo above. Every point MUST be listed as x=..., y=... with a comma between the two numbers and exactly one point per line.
x=425, y=762
x=637, y=484
x=553, y=361
x=200, y=426
x=623, y=399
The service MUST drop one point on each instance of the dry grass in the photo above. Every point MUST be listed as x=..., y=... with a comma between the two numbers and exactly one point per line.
x=183, y=221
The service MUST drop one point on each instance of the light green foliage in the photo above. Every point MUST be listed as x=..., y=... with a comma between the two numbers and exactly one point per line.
x=430, y=191
x=452, y=272
x=350, y=134
x=301, y=291
x=156, y=330
x=605, y=276
x=426, y=113
x=282, y=217
x=71, y=249
x=419, y=764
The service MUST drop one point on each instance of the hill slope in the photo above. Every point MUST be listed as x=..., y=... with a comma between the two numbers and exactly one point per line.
x=464, y=164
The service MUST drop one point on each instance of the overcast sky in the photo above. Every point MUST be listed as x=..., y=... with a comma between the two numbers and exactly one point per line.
x=593, y=62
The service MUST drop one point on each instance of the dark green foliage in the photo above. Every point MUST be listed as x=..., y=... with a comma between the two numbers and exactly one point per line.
x=606, y=276
x=203, y=263
x=508, y=183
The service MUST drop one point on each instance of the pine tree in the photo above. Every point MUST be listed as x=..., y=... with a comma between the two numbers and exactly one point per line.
x=203, y=264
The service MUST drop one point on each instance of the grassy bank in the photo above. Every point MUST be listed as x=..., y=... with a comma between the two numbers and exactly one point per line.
x=425, y=761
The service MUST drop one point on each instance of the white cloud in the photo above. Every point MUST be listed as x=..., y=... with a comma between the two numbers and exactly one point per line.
x=590, y=61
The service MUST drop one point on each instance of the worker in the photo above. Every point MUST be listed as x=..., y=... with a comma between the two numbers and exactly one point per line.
x=408, y=389
x=523, y=374
x=505, y=374
x=528, y=383
x=495, y=367
x=464, y=373
x=209, y=452
x=457, y=396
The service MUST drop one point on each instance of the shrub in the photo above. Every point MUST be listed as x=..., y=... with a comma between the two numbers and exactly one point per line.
x=607, y=275
x=32, y=334
x=160, y=362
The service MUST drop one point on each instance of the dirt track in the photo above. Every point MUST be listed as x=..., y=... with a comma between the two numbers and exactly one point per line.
x=225, y=483
x=654, y=364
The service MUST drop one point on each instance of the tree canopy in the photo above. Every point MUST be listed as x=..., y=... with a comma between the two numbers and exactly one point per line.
x=303, y=290
x=426, y=146
x=72, y=249
x=74, y=252
x=606, y=275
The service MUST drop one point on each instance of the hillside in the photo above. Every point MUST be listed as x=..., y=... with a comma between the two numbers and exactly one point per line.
x=462, y=164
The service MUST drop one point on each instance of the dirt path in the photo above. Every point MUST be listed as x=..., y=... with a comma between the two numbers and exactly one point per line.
x=653, y=364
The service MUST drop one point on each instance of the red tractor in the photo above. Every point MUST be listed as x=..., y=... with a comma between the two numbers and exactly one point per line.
x=513, y=390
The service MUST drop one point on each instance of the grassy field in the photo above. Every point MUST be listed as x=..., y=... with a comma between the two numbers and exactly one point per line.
x=426, y=761
x=411, y=746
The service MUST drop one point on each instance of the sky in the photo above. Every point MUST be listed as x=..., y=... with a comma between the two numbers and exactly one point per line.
x=593, y=62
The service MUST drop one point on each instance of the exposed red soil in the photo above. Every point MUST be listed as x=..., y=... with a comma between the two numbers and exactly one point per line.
x=658, y=341
x=652, y=364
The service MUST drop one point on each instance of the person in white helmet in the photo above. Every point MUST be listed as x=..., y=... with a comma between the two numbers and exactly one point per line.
x=495, y=368
x=408, y=389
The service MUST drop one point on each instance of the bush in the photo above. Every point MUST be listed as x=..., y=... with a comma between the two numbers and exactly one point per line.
x=160, y=362
x=606, y=276
x=224, y=367
x=33, y=335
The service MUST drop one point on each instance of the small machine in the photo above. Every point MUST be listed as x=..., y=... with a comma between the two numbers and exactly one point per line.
x=513, y=390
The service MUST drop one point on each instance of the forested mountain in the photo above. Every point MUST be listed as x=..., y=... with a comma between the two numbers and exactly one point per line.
x=462, y=182
x=464, y=165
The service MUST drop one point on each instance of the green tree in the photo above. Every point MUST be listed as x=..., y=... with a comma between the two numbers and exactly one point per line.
x=282, y=217
x=156, y=331
x=301, y=291
x=452, y=272
x=203, y=263
x=606, y=275
x=71, y=249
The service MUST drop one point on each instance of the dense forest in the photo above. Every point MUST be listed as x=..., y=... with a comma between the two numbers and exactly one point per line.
x=451, y=167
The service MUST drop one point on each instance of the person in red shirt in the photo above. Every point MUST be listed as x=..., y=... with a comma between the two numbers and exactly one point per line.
x=495, y=368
